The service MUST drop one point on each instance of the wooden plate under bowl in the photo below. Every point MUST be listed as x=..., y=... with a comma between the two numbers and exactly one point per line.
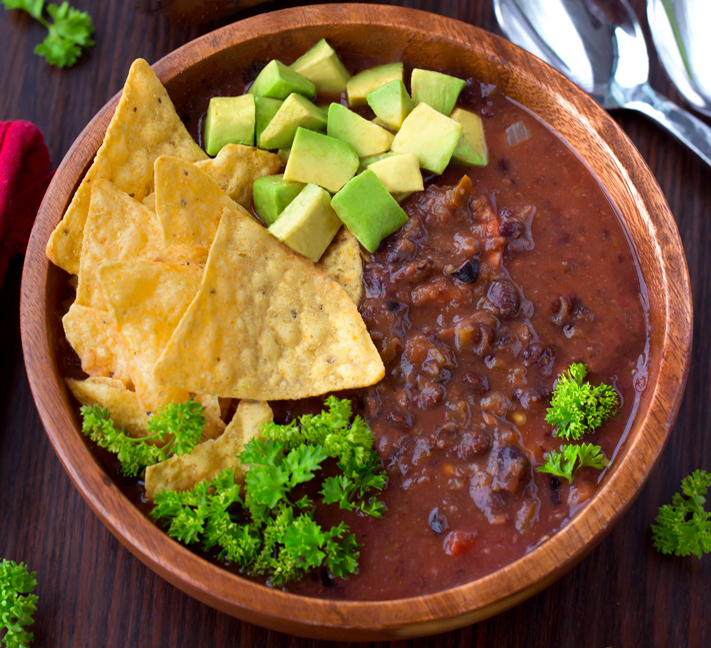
x=434, y=42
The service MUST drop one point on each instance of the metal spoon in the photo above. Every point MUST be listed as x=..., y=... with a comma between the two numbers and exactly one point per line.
x=599, y=45
x=680, y=33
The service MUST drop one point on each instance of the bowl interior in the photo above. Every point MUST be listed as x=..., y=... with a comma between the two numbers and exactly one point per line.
x=429, y=41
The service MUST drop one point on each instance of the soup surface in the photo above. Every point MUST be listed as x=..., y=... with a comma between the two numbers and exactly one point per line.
x=502, y=277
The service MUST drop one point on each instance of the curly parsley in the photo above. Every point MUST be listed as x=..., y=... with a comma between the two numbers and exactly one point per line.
x=175, y=429
x=69, y=32
x=17, y=604
x=577, y=407
x=684, y=526
x=268, y=531
x=572, y=458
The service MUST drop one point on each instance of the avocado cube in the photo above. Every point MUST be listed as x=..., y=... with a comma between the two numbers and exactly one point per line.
x=436, y=89
x=278, y=82
x=230, y=120
x=471, y=149
x=362, y=84
x=365, y=162
x=368, y=210
x=266, y=108
x=320, y=159
x=272, y=195
x=399, y=173
x=391, y=103
x=364, y=136
x=323, y=68
x=429, y=135
x=295, y=112
x=308, y=224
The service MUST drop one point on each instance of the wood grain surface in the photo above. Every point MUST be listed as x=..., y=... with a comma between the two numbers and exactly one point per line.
x=94, y=593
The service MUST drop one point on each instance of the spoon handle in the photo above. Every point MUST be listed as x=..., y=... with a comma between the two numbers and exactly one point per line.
x=683, y=125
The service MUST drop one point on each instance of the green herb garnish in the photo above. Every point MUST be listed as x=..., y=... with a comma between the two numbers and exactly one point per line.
x=572, y=458
x=577, y=407
x=684, y=527
x=69, y=32
x=267, y=530
x=175, y=429
x=17, y=604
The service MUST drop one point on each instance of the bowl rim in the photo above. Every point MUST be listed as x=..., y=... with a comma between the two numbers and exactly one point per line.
x=322, y=618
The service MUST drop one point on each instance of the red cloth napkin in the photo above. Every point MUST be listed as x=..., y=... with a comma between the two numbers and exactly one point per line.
x=24, y=177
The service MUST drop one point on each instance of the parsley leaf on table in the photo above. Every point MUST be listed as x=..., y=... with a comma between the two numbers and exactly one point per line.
x=684, y=526
x=178, y=428
x=69, y=32
x=266, y=530
x=577, y=407
x=572, y=458
x=17, y=604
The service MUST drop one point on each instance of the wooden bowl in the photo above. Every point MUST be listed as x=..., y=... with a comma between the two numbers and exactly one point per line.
x=434, y=42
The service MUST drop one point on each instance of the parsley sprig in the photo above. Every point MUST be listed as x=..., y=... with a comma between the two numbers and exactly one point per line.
x=266, y=530
x=175, y=429
x=572, y=458
x=684, y=526
x=17, y=604
x=577, y=407
x=69, y=32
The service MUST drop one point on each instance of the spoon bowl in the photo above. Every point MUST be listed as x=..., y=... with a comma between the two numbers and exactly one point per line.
x=599, y=45
x=684, y=47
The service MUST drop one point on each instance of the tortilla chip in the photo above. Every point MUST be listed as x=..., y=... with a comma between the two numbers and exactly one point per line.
x=120, y=228
x=189, y=204
x=342, y=262
x=144, y=126
x=266, y=324
x=93, y=335
x=150, y=201
x=147, y=300
x=214, y=425
x=122, y=404
x=211, y=457
x=236, y=167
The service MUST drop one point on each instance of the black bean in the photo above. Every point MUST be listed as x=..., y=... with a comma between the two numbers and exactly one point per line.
x=469, y=272
x=438, y=522
x=511, y=469
x=393, y=306
x=505, y=297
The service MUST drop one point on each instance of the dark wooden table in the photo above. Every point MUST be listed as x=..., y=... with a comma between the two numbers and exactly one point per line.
x=94, y=593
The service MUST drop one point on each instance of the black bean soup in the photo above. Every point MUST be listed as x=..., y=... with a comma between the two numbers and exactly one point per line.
x=502, y=277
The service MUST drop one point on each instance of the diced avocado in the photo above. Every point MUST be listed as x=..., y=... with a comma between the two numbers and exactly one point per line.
x=471, y=148
x=284, y=155
x=436, y=89
x=296, y=111
x=401, y=196
x=230, y=120
x=365, y=162
x=391, y=103
x=278, y=82
x=429, y=135
x=368, y=210
x=364, y=136
x=320, y=159
x=362, y=84
x=266, y=109
x=323, y=68
x=308, y=224
x=272, y=195
x=399, y=173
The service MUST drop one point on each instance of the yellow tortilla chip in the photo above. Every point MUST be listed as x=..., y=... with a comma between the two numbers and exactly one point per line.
x=214, y=425
x=266, y=324
x=150, y=201
x=120, y=228
x=342, y=262
x=147, y=300
x=93, y=335
x=144, y=126
x=189, y=204
x=122, y=404
x=236, y=167
x=211, y=457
